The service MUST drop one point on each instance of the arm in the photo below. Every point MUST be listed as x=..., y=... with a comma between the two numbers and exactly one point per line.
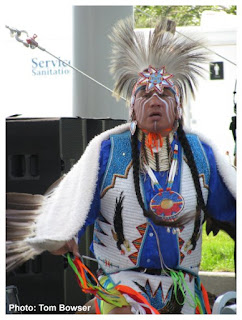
x=221, y=204
x=72, y=245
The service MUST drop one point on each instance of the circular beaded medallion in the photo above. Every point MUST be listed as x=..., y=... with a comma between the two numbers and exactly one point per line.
x=167, y=205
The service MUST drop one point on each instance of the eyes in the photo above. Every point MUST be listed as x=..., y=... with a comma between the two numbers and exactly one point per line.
x=146, y=95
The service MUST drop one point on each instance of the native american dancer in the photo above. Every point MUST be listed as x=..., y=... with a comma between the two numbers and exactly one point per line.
x=147, y=186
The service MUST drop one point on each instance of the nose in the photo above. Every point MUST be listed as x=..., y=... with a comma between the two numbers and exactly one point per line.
x=155, y=101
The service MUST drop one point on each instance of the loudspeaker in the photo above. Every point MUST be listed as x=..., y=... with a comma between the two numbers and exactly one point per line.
x=39, y=152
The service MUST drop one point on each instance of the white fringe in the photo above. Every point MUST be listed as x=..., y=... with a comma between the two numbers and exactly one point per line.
x=226, y=170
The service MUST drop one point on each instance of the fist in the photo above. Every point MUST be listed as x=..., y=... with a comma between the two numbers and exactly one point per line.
x=69, y=246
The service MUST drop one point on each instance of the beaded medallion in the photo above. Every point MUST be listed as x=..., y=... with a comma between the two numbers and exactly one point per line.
x=167, y=205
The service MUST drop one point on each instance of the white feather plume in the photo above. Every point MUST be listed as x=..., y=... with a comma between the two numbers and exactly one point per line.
x=132, y=54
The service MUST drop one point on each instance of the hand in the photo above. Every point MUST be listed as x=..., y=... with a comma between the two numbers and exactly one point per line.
x=69, y=246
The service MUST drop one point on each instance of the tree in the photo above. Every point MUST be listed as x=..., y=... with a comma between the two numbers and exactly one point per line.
x=146, y=16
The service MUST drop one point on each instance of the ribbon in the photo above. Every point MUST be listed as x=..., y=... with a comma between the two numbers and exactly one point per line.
x=153, y=140
x=113, y=295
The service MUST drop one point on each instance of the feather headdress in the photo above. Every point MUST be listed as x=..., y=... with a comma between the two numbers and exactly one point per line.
x=132, y=54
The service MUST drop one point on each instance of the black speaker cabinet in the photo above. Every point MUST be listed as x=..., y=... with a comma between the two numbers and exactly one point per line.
x=39, y=151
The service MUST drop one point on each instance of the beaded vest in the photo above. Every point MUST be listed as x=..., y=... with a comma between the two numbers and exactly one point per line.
x=117, y=181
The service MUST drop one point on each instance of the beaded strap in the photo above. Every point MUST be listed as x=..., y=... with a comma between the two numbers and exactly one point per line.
x=171, y=173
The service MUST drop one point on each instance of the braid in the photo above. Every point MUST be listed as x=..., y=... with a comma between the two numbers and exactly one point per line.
x=192, y=165
x=144, y=149
x=195, y=176
x=135, y=157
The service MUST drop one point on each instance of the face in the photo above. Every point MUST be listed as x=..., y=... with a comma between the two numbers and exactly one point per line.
x=155, y=112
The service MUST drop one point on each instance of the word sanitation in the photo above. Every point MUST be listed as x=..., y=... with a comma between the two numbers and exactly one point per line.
x=47, y=308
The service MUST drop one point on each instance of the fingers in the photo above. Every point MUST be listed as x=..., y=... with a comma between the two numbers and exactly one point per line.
x=69, y=246
x=75, y=251
x=61, y=251
x=73, y=247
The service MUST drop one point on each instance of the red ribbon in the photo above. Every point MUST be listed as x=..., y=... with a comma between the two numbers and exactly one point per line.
x=153, y=140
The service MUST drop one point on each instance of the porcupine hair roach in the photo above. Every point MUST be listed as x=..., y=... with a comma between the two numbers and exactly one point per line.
x=131, y=54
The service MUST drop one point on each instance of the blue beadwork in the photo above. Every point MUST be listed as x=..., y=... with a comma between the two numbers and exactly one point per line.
x=157, y=299
x=121, y=152
x=121, y=155
x=200, y=156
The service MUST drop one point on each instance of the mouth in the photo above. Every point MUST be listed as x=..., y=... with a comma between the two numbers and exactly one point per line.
x=155, y=115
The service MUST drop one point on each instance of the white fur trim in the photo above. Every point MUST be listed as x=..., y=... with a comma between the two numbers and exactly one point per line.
x=226, y=170
x=65, y=212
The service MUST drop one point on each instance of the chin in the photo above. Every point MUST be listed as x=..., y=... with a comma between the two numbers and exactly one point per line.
x=164, y=132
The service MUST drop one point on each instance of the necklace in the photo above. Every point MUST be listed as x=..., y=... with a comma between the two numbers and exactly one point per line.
x=161, y=152
x=166, y=204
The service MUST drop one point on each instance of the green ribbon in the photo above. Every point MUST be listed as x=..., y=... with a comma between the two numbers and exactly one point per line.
x=108, y=296
x=179, y=281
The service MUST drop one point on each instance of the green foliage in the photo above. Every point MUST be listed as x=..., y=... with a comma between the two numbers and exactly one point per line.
x=146, y=16
x=217, y=252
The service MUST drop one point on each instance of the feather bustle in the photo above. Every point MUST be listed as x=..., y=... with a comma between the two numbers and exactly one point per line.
x=21, y=214
x=14, y=261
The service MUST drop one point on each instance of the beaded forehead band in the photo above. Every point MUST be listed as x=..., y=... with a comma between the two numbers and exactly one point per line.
x=155, y=79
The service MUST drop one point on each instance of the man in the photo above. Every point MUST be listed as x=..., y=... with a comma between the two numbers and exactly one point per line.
x=150, y=187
